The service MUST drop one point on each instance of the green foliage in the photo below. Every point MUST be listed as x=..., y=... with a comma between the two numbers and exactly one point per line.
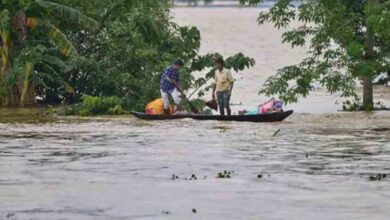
x=117, y=110
x=135, y=44
x=92, y=105
x=197, y=103
x=357, y=105
x=71, y=14
x=14, y=75
x=4, y=19
x=353, y=105
x=4, y=49
x=97, y=105
x=117, y=48
x=36, y=40
x=348, y=40
x=225, y=174
x=237, y=62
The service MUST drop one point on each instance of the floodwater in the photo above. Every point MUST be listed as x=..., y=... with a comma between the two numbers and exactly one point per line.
x=312, y=166
x=315, y=167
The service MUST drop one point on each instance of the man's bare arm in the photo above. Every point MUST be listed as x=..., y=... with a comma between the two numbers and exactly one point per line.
x=214, y=88
x=231, y=87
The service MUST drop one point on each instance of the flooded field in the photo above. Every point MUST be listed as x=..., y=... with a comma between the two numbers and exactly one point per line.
x=319, y=165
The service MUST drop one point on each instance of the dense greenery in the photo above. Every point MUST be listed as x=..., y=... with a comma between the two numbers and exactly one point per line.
x=33, y=49
x=348, y=41
x=91, y=105
x=119, y=48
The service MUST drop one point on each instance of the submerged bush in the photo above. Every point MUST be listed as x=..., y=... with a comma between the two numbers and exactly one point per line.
x=99, y=105
x=353, y=105
x=92, y=105
x=357, y=105
x=117, y=110
x=67, y=111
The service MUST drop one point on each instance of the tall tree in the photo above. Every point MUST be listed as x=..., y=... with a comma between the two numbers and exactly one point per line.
x=348, y=41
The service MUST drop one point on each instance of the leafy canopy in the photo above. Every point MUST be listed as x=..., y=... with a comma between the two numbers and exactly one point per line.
x=136, y=41
x=339, y=35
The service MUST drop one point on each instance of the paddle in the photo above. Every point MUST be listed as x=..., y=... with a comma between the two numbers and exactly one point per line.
x=193, y=108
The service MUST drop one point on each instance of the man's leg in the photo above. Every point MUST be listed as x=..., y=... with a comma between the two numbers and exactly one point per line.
x=222, y=111
x=165, y=97
x=221, y=104
x=176, y=98
x=229, y=111
x=227, y=104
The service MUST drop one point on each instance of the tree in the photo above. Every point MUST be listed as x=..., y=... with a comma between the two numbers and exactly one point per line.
x=28, y=36
x=119, y=48
x=126, y=56
x=348, y=41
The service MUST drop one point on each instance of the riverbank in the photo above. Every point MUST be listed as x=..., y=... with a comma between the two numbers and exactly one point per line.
x=48, y=114
x=26, y=115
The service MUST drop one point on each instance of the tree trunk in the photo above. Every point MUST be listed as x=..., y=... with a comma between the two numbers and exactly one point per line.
x=31, y=95
x=5, y=47
x=23, y=92
x=26, y=83
x=368, y=100
x=369, y=56
x=13, y=98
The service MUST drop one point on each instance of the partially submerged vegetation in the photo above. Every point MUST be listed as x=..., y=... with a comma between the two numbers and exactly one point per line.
x=91, y=105
x=357, y=105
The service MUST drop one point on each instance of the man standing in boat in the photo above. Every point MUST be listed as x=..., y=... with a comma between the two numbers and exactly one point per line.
x=223, y=86
x=169, y=84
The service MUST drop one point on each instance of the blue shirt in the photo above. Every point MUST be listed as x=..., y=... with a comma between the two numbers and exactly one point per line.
x=172, y=74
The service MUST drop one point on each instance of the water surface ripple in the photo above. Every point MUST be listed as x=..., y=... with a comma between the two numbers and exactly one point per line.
x=316, y=167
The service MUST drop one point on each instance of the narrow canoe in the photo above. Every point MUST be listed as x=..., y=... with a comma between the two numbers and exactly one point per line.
x=268, y=117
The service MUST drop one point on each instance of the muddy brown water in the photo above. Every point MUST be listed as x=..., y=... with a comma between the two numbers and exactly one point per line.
x=318, y=165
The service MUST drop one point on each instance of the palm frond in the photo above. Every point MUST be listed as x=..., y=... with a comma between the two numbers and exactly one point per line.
x=60, y=40
x=70, y=14
x=50, y=74
x=54, y=62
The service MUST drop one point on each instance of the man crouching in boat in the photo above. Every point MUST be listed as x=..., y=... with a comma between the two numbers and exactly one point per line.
x=170, y=84
x=223, y=86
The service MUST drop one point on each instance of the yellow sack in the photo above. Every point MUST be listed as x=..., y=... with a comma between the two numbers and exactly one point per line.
x=156, y=107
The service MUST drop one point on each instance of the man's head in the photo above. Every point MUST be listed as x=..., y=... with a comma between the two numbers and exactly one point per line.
x=219, y=63
x=178, y=64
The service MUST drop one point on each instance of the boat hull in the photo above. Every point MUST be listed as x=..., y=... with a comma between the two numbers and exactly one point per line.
x=268, y=117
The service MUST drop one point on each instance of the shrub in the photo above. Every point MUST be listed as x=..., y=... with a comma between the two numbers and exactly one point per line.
x=93, y=105
x=117, y=110
x=101, y=105
x=357, y=105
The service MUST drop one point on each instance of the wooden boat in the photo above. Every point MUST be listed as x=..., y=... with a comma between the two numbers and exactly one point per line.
x=268, y=117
